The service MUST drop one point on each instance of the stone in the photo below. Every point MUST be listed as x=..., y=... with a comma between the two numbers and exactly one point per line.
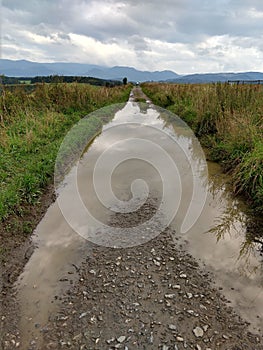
x=169, y=296
x=198, y=332
x=121, y=339
x=205, y=328
x=109, y=341
x=176, y=286
x=180, y=339
x=172, y=327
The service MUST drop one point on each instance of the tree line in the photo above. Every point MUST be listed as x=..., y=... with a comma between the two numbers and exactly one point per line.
x=60, y=79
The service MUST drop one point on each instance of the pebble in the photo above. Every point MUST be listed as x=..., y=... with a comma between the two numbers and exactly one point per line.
x=109, y=341
x=172, y=327
x=198, y=332
x=176, y=286
x=151, y=338
x=198, y=347
x=180, y=339
x=77, y=337
x=165, y=347
x=121, y=339
x=169, y=296
x=191, y=312
x=205, y=328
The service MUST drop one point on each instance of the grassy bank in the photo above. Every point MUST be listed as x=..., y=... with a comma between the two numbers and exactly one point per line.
x=228, y=119
x=32, y=127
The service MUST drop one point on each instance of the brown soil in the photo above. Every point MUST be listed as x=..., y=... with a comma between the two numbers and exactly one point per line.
x=16, y=249
x=15, y=235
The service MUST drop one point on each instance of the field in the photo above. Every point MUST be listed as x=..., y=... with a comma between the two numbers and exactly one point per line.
x=228, y=120
x=32, y=126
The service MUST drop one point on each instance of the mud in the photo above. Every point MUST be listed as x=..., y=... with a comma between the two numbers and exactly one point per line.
x=155, y=296
x=75, y=294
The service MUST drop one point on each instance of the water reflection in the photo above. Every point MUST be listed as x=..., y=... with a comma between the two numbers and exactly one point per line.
x=237, y=220
x=225, y=240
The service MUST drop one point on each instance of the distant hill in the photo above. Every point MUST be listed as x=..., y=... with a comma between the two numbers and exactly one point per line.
x=23, y=68
x=133, y=74
x=217, y=77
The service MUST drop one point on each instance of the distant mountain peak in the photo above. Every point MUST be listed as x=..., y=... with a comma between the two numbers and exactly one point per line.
x=24, y=68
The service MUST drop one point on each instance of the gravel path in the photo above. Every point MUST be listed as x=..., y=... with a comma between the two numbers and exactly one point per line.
x=154, y=296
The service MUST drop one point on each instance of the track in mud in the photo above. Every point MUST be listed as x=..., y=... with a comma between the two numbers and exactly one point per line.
x=56, y=266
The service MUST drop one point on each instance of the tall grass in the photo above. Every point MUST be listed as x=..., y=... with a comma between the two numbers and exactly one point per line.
x=32, y=127
x=228, y=119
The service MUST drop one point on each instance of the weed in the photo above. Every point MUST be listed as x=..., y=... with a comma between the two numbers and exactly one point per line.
x=32, y=126
x=228, y=119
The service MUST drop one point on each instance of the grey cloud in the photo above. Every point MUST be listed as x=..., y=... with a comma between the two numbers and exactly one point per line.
x=170, y=20
x=138, y=43
x=135, y=26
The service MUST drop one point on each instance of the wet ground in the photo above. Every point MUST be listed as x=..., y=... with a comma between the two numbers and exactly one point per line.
x=122, y=284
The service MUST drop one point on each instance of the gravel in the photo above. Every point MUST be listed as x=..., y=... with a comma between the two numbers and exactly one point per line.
x=153, y=296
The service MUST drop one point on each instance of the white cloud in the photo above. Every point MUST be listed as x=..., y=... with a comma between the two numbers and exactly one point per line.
x=182, y=35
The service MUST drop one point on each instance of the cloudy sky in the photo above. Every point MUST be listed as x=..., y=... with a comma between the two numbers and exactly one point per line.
x=185, y=36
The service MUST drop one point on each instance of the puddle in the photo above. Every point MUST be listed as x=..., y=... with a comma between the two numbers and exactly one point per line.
x=219, y=240
x=53, y=265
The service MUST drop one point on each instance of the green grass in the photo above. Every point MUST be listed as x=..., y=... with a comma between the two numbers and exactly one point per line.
x=228, y=119
x=32, y=127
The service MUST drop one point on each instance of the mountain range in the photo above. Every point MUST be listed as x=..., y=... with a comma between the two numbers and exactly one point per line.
x=24, y=68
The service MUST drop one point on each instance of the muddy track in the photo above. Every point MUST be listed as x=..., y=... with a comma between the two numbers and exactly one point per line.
x=154, y=296
x=18, y=249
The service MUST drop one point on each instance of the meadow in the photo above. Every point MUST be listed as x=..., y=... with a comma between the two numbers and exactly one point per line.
x=32, y=127
x=228, y=120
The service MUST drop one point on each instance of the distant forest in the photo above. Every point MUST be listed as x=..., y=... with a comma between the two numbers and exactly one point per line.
x=58, y=79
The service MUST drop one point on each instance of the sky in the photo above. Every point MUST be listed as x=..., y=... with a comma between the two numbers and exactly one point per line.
x=186, y=36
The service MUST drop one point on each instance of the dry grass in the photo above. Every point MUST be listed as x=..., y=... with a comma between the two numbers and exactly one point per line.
x=228, y=119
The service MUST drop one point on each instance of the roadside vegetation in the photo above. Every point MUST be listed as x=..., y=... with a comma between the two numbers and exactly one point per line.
x=228, y=120
x=32, y=127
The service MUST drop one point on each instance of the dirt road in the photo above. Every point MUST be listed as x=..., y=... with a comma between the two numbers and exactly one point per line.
x=154, y=296
x=150, y=295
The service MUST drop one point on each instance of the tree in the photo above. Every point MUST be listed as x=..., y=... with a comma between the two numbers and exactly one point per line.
x=125, y=80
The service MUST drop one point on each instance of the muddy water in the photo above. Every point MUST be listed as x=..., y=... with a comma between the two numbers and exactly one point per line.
x=219, y=240
x=54, y=264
